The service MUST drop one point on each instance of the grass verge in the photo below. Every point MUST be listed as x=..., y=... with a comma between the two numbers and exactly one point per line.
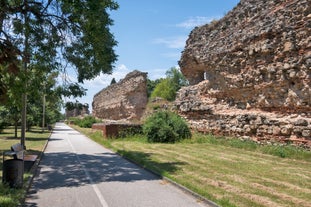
x=35, y=141
x=227, y=171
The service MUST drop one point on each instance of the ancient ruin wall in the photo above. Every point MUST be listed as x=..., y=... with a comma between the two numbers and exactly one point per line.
x=126, y=99
x=251, y=71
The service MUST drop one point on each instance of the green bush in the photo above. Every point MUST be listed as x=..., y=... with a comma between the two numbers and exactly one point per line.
x=166, y=127
x=86, y=122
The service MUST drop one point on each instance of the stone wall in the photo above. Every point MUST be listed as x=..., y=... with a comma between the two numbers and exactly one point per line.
x=115, y=130
x=126, y=99
x=251, y=72
x=84, y=111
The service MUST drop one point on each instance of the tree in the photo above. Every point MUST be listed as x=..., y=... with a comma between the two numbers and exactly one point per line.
x=37, y=79
x=75, y=31
x=113, y=81
x=151, y=84
x=168, y=87
x=177, y=78
x=61, y=32
x=165, y=90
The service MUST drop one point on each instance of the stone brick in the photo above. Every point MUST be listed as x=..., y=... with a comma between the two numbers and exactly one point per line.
x=306, y=133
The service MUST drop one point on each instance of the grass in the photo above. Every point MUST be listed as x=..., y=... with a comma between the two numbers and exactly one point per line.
x=35, y=141
x=229, y=172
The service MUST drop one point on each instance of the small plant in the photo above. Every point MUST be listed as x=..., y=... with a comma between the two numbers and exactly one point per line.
x=166, y=127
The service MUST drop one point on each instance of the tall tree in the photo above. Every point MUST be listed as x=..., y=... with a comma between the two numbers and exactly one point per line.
x=52, y=34
x=168, y=87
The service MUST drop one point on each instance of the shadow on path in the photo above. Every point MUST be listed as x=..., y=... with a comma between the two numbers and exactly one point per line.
x=68, y=169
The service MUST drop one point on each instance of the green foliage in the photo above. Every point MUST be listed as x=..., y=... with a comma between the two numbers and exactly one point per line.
x=166, y=127
x=75, y=105
x=130, y=131
x=48, y=25
x=168, y=87
x=3, y=113
x=73, y=89
x=151, y=84
x=177, y=78
x=165, y=90
x=86, y=122
x=9, y=197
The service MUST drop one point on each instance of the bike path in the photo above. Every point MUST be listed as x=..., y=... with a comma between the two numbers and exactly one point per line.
x=77, y=172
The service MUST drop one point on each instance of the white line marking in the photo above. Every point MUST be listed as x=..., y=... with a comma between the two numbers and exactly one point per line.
x=94, y=186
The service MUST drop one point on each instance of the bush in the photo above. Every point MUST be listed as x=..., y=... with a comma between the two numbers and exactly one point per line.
x=166, y=127
x=86, y=122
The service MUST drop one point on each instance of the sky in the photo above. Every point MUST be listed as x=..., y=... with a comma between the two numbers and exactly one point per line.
x=151, y=35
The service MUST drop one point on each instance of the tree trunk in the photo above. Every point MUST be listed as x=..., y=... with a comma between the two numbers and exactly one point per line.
x=15, y=126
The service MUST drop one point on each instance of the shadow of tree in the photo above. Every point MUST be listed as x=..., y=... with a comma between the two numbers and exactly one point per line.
x=67, y=169
x=145, y=160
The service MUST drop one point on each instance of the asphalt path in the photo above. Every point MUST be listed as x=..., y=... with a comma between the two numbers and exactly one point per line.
x=77, y=172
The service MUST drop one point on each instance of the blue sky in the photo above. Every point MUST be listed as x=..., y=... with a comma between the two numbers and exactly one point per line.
x=151, y=35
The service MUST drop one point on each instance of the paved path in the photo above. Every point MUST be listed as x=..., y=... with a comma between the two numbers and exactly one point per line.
x=77, y=172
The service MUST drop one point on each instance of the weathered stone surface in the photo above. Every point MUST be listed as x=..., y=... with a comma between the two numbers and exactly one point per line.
x=126, y=99
x=84, y=111
x=251, y=71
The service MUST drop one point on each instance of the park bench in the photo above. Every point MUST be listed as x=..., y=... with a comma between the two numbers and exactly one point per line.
x=17, y=152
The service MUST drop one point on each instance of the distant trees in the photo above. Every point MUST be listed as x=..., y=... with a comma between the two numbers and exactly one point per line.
x=167, y=87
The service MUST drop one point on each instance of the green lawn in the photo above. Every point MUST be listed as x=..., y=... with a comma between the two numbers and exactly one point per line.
x=228, y=172
x=35, y=141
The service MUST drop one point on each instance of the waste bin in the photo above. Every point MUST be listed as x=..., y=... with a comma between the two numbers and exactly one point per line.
x=13, y=173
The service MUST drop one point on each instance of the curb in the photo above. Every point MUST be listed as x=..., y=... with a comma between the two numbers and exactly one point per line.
x=33, y=171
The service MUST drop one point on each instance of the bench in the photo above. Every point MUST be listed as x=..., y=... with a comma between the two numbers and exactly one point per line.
x=17, y=152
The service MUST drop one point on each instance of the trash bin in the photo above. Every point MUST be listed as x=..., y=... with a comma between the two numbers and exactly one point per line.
x=13, y=173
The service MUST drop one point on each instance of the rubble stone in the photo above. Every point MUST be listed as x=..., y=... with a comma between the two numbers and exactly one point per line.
x=252, y=66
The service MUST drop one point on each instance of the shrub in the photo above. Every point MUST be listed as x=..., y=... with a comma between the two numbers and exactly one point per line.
x=166, y=127
x=86, y=122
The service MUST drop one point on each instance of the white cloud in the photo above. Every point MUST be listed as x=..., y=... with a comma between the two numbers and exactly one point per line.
x=172, y=42
x=195, y=21
x=154, y=74
x=103, y=80
x=172, y=55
